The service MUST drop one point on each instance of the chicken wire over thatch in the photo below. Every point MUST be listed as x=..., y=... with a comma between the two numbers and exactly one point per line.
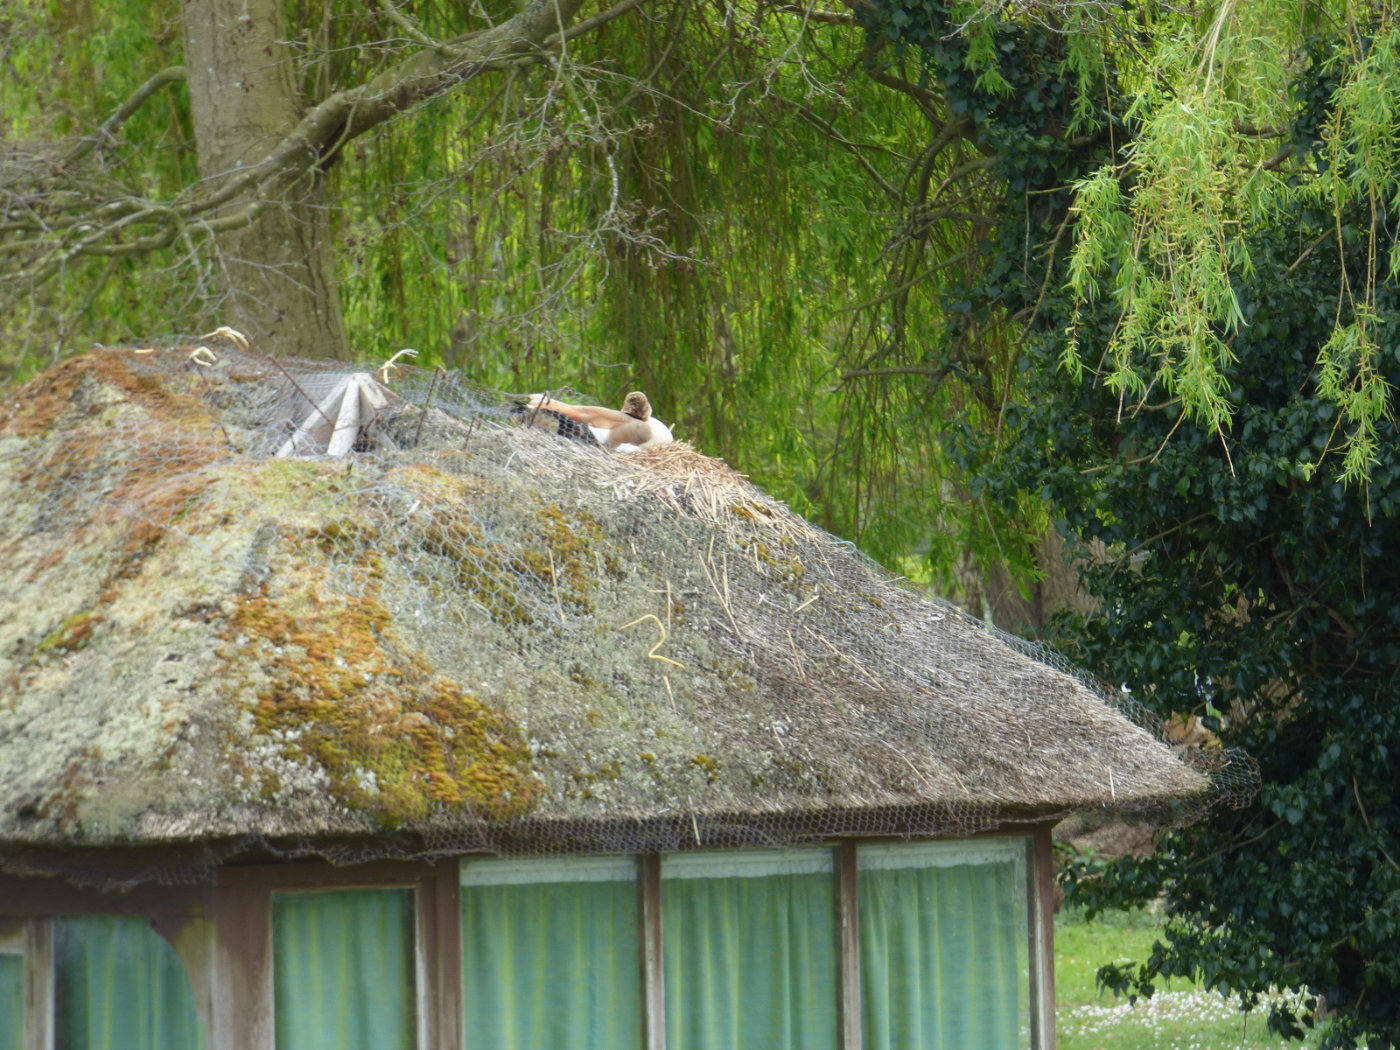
x=466, y=633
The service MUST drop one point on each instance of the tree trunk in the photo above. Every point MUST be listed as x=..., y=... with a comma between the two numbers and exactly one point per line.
x=278, y=273
x=991, y=592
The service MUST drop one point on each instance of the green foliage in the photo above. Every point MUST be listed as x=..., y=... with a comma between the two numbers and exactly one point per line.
x=1133, y=264
x=69, y=67
x=1207, y=341
x=1179, y=1015
x=1163, y=228
x=1032, y=100
x=1242, y=585
x=691, y=242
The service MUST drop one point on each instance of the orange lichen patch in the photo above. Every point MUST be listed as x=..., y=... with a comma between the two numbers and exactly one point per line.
x=708, y=765
x=147, y=471
x=135, y=472
x=71, y=787
x=77, y=457
x=33, y=407
x=146, y=488
x=160, y=508
x=564, y=549
x=72, y=634
x=336, y=685
x=431, y=483
x=570, y=549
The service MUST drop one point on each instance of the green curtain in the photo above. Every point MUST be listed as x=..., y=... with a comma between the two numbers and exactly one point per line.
x=119, y=985
x=750, y=950
x=550, y=954
x=11, y=1001
x=943, y=946
x=343, y=967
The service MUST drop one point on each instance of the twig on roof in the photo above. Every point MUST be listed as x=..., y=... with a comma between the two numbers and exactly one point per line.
x=233, y=335
x=844, y=656
x=209, y=390
x=723, y=600
x=539, y=404
x=796, y=656
x=387, y=365
x=418, y=433
x=928, y=784
x=652, y=653
x=554, y=581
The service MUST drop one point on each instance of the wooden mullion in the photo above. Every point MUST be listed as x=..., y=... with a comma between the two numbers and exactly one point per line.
x=23, y=898
x=1041, y=913
x=440, y=947
x=242, y=968
x=652, y=974
x=848, y=935
x=313, y=876
x=38, y=985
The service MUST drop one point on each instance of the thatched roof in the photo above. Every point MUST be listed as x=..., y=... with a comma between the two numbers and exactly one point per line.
x=477, y=633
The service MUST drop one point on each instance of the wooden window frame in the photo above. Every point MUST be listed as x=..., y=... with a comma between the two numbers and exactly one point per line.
x=32, y=941
x=1041, y=912
x=223, y=933
x=848, y=945
x=652, y=959
x=1040, y=992
x=240, y=960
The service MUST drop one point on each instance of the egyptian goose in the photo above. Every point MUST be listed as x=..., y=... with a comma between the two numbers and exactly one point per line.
x=632, y=428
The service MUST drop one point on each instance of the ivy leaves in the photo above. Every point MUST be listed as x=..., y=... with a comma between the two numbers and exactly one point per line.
x=1257, y=591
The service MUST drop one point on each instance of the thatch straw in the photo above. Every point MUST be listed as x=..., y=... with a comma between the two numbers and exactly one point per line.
x=478, y=632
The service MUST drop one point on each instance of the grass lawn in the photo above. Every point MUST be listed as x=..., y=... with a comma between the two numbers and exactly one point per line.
x=1179, y=1017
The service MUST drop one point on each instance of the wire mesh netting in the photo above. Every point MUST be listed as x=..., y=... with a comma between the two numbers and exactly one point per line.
x=316, y=609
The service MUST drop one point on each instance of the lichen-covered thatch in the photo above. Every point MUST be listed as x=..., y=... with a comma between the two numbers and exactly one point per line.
x=469, y=633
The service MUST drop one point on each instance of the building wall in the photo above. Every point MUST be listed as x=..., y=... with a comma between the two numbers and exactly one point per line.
x=224, y=934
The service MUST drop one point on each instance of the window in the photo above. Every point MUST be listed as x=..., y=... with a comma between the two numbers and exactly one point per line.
x=343, y=970
x=750, y=950
x=944, y=953
x=549, y=954
x=118, y=985
x=12, y=990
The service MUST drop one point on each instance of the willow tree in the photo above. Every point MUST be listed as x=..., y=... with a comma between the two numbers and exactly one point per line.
x=1241, y=116
x=712, y=201
x=263, y=148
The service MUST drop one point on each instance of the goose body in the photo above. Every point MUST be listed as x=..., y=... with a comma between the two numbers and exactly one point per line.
x=626, y=431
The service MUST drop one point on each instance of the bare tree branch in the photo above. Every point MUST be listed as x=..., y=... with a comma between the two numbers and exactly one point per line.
x=812, y=14
x=856, y=149
x=170, y=75
x=602, y=17
x=58, y=217
x=411, y=29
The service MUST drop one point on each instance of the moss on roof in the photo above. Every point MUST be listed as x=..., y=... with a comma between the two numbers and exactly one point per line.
x=470, y=628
